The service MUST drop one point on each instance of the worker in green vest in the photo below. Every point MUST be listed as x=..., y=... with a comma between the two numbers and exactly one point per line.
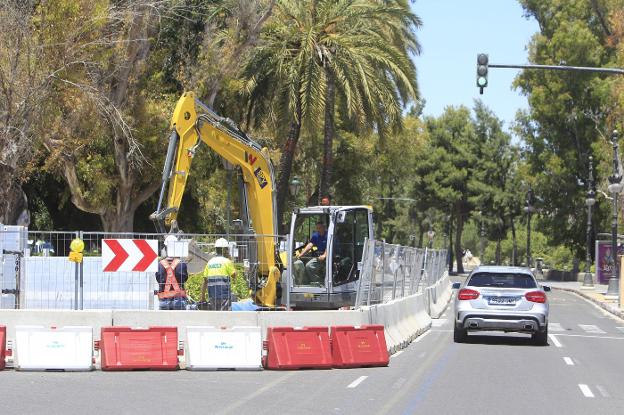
x=218, y=276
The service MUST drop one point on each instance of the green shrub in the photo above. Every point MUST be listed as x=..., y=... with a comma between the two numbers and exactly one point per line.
x=240, y=287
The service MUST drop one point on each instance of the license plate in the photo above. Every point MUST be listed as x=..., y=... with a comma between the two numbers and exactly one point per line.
x=502, y=300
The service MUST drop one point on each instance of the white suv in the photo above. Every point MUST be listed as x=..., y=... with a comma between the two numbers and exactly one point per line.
x=498, y=298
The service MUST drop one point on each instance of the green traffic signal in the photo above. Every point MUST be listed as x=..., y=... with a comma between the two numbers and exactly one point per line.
x=482, y=71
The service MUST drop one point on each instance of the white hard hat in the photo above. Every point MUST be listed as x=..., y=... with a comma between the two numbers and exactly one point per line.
x=170, y=238
x=221, y=243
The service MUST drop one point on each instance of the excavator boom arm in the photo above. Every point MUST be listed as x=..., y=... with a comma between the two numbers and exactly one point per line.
x=192, y=123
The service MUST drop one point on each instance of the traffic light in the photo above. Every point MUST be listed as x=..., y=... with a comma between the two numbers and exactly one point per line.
x=482, y=71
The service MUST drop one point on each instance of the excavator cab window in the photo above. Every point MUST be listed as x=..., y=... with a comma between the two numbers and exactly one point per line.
x=308, y=269
x=350, y=231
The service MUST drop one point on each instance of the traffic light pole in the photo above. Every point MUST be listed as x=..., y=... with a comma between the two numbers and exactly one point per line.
x=615, y=179
x=617, y=71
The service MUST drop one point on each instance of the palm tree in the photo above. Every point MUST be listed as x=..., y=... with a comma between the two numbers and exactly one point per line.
x=314, y=53
x=363, y=49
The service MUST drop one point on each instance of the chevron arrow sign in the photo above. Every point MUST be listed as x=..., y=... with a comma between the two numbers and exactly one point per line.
x=129, y=255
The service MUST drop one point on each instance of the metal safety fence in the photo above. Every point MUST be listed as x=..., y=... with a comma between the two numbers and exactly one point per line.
x=395, y=271
x=36, y=273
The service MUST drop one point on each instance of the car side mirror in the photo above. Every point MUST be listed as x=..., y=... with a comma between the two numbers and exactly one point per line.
x=456, y=285
x=546, y=288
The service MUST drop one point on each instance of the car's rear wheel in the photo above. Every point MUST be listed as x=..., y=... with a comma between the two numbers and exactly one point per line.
x=540, y=338
x=460, y=334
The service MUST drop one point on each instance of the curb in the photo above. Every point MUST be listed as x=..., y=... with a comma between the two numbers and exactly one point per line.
x=607, y=307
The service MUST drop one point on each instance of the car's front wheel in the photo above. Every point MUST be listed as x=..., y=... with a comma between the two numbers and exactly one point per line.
x=540, y=338
x=460, y=335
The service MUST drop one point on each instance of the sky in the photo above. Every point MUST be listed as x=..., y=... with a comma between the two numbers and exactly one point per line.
x=452, y=34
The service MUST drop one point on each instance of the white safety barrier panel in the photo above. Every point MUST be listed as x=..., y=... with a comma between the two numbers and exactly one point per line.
x=67, y=348
x=213, y=348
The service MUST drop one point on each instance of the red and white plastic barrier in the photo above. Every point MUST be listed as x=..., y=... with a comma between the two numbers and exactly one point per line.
x=125, y=348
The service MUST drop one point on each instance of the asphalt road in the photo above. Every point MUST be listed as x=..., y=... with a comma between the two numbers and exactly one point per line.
x=580, y=372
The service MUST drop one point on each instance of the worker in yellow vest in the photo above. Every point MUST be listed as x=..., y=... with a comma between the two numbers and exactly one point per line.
x=218, y=276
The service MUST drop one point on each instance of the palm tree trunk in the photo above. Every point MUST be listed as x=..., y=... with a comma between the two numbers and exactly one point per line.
x=328, y=141
x=498, y=251
x=285, y=166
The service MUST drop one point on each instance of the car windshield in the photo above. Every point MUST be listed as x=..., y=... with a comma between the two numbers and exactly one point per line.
x=505, y=280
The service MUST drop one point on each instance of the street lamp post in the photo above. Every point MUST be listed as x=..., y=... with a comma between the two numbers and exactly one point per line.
x=481, y=239
x=615, y=187
x=294, y=185
x=590, y=200
x=529, y=209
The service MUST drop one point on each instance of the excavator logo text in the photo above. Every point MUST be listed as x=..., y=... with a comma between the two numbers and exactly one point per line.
x=250, y=158
x=261, y=179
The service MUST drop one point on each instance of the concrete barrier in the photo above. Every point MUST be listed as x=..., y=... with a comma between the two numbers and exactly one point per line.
x=404, y=319
x=382, y=314
x=264, y=319
x=328, y=318
x=441, y=294
x=422, y=319
x=181, y=319
x=47, y=318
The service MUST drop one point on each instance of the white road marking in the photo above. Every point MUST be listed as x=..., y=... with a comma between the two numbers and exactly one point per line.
x=438, y=322
x=554, y=340
x=620, y=329
x=568, y=361
x=419, y=338
x=356, y=382
x=589, y=337
x=590, y=328
x=586, y=391
x=397, y=353
x=555, y=327
x=603, y=391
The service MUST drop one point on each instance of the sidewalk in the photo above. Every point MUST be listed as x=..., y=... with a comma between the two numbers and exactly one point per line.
x=596, y=295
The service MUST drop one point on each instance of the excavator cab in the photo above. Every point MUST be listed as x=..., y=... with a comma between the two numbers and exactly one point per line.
x=327, y=281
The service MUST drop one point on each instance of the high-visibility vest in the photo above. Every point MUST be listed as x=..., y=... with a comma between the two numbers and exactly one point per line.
x=172, y=288
x=218, y=267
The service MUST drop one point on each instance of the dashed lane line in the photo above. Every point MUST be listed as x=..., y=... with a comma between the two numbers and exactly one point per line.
x=587, y=336
x=586, y=391
x=568, y=361
x=591, y=328
x=555, y=341
x=603, y=391
x=356, y=382
x=555, y=327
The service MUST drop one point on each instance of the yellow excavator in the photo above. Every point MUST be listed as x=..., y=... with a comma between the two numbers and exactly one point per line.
x=192, y=123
